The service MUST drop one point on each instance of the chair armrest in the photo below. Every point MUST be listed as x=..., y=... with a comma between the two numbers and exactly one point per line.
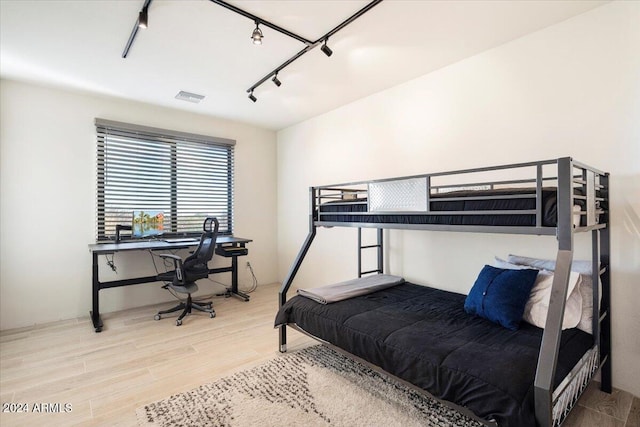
x=172, y=256
x=177, y=265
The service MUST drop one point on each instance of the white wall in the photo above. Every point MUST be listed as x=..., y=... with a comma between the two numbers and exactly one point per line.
x=572, y=89
x=47, y=203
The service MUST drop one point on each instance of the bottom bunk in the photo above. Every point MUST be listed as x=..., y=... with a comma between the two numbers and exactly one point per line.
x=424, y=336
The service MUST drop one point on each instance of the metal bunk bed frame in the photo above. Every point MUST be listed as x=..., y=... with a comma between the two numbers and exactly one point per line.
x=551, y=405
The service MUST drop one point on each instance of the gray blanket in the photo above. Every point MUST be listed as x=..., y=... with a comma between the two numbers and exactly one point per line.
x=351, y=288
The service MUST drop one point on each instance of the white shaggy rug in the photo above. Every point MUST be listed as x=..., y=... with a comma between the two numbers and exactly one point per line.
x=312, y=387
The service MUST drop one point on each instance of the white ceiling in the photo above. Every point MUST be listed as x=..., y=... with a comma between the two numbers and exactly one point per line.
x=200, y=47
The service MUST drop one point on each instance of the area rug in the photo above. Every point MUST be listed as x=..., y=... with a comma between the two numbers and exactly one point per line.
x=311, y=387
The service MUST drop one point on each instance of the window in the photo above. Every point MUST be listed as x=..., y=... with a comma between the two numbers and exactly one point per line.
x=186, y=176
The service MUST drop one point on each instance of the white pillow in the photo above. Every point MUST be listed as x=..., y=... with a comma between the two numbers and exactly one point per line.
x=585, y=284
x=537, y=307
x=582, y=267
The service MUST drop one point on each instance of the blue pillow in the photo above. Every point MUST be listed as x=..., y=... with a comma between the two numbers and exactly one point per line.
x=500, y=295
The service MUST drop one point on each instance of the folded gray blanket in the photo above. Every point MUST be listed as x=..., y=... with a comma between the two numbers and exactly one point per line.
x=351, y=288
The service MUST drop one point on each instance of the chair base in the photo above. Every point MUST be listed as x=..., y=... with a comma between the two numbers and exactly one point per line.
x=187, y=307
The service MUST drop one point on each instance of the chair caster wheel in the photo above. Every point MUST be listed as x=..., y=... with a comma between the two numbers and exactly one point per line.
x=157, y=317
x=178, y=322
x=212, y=315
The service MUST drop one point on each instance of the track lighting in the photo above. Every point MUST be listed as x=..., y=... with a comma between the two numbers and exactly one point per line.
x=327, y=51
x=142, y=21
x=257, y=35
x=143, y=18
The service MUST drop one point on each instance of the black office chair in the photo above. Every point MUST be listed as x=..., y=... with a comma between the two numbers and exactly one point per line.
x=194, y=267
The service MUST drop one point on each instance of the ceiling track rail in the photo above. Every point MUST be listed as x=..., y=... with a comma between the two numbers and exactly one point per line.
x=309, y=44
x=136, y=27
x=261, y=21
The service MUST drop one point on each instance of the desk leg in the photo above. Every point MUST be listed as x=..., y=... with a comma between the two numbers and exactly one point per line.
x=95, y=313
x=234, y=280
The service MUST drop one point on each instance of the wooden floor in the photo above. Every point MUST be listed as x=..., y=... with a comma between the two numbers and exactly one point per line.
x=100, y=379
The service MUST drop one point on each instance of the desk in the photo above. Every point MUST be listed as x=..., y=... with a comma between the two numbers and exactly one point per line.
x=156, y=245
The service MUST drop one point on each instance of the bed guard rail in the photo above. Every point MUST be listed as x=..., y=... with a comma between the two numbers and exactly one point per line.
x=415, y=195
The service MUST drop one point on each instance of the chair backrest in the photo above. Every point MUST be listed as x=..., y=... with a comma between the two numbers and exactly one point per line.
x=204, y=252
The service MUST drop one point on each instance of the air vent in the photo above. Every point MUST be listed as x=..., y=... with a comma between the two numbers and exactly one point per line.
x=190, y=97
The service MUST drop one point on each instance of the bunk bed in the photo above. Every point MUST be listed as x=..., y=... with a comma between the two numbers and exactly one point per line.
x=423, y=336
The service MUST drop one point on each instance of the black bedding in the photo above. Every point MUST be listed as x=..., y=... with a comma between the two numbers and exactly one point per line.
x=423, y=336
x=347, y=211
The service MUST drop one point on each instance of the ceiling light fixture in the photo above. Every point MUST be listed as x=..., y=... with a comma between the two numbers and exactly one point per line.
x=309, y=44
x=142, y=21
x=327, y=51
x=276, y=81
x=257, y=34
x=143, y=18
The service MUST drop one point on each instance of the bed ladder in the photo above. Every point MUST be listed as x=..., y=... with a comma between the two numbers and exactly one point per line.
x=380, y=248
x=600, y=245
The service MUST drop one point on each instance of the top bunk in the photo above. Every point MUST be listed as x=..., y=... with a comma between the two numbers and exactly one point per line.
x=550, y=197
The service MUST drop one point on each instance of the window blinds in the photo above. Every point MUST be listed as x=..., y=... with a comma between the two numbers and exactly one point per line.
x=186, y=176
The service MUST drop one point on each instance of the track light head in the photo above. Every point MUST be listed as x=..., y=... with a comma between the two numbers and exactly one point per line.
x=276, y=81
x=257, y=36
x=327, y=51
x=251, y=97
x=143, y=18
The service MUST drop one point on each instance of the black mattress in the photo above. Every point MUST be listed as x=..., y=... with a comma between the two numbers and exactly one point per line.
x=424, y=336
x=347, y=210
